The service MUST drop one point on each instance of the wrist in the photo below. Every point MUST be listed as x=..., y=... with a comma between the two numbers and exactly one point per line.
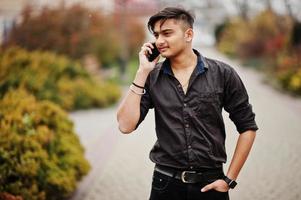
x=230, y=182
x=143, y=71
x=140, y=78
x=138, y=86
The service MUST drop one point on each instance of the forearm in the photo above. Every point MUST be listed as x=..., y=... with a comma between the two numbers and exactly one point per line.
x=243, y=147
x=129, y=109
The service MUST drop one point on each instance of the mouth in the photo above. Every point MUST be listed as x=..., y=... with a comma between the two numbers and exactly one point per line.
x=162, y=49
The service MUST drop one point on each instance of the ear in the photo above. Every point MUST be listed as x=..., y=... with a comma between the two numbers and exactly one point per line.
x=188, y=35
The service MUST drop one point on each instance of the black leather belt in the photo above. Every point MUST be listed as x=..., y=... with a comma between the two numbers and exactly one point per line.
x=190, y=176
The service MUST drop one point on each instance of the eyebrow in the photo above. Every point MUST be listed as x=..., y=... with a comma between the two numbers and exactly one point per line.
x=165, y=30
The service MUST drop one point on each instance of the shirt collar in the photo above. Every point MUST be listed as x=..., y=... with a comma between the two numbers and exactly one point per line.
x=201, y=67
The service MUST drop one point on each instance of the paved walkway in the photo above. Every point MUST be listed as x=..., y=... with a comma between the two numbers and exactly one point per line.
x=122, y=170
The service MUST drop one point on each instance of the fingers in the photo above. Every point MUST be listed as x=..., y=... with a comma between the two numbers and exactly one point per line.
x=207, y=187
x=147, y=48
x=218, y=185
x=148, y=44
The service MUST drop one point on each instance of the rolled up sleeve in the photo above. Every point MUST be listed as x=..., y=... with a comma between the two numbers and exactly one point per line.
x=236, y=103
x=146, y=103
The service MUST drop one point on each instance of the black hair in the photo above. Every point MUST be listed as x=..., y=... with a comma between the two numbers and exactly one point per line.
x=171, y=13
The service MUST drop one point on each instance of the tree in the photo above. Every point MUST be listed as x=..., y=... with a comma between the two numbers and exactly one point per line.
x=74, y=31
x=243, y=8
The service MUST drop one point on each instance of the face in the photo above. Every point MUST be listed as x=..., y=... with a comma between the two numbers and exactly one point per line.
x=172, y=37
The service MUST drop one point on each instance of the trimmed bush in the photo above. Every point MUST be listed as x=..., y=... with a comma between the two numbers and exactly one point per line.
x=41, y=157
x=55, y=78
x=232, y=32
x=288, y=72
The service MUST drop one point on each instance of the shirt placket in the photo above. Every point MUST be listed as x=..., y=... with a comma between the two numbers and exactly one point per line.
x=186, y=114
x=186, y=123
x=187, y=130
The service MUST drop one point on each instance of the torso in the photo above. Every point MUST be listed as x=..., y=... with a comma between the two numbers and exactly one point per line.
x=183, y=78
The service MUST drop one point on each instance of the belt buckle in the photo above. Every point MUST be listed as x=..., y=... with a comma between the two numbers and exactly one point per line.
x=183, y=175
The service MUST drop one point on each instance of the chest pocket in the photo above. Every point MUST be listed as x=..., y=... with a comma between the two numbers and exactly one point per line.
x=207, y=105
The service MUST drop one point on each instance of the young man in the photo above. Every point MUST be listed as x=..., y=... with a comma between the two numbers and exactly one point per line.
x=188, y=92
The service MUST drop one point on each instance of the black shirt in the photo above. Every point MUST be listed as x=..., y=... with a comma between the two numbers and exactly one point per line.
x=190, y=128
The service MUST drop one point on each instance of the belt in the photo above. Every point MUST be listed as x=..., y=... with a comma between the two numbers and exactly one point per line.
x=188, y=176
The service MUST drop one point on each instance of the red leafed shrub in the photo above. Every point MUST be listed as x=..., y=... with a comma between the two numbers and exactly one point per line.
x=7, y=196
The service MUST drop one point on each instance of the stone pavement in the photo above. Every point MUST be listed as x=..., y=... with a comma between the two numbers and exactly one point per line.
x=122, y=171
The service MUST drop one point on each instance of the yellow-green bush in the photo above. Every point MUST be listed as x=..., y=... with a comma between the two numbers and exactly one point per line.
x=288, y=72
x=55, y=78
x=234, y=31
x=40, y=155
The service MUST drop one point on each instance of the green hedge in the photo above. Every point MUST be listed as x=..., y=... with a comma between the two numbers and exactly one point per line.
x=41, y=157
x=55, y=78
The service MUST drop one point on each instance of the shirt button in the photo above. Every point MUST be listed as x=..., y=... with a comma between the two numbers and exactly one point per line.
x=187, y=125
x=189, y=147
x=191, y=167
x=179, y=85
x=185, y=104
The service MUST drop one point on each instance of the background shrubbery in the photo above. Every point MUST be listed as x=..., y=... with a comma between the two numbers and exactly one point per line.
x=265, y=35
x=269, y=42
x=55, y=78
x=41, y=75
x=40, y=156
x=76, y=31
x=7, y=196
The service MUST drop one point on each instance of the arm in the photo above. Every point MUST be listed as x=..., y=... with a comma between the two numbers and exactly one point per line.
x=243, y=147
x=129, y=109
x=128, y=113
x=236, y=103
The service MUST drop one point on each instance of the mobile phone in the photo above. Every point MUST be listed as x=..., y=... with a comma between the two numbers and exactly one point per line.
x=154, y=55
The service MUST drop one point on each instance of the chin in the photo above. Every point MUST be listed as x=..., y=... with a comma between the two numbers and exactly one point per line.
x=165, y=55
x=170, y=54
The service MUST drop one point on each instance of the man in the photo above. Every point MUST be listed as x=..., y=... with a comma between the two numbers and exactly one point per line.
x=187, y=92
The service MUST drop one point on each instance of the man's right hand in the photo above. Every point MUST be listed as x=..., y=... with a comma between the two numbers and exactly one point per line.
x=129, y=109
x=144, y=64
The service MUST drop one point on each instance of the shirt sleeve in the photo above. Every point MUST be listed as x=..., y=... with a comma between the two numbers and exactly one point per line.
x=236, y=103
x=146, y=102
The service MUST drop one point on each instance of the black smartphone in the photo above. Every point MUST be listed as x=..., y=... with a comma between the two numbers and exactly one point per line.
x=154, y=55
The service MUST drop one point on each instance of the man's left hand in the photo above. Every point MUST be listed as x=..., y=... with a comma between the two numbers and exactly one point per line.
x=218, y=185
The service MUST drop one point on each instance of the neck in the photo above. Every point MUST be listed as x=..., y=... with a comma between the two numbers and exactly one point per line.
x=184, y=61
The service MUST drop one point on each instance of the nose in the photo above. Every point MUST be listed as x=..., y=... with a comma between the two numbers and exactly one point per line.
x=160, y=41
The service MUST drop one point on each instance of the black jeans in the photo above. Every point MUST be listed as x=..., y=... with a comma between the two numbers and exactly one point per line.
x=168, y=188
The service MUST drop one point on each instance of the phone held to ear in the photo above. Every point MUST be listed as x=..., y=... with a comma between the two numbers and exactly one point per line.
x=154, y=55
